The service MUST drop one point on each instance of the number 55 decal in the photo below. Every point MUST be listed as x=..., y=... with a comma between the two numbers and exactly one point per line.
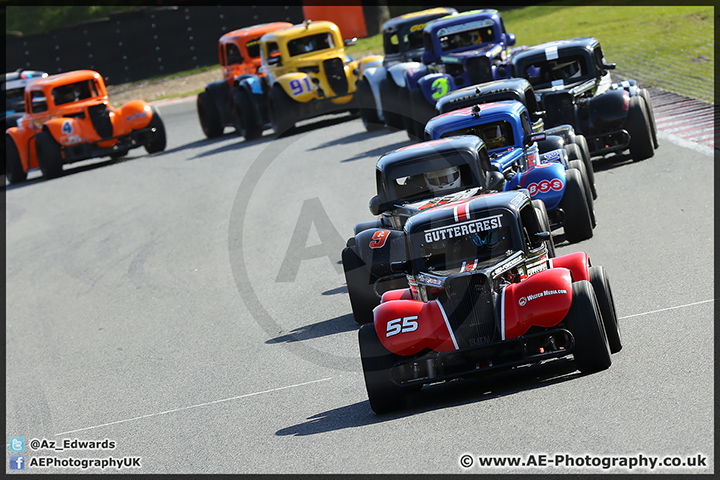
x=379, y=238
x=401, y=325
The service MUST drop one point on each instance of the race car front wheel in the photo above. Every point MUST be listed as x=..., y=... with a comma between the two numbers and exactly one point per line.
x=637, y=125
x=377, y=361
x=578, y=220
x=368, y=109
x=583, y=152
x=281, y=111
x=580, y=167
x=601, y=285
x=545, y=225
x=389, y=98
x=591, y=351
x=158, y=138
x=651, y=115
x=49, y=155
x=360, y=285
x=13, y=167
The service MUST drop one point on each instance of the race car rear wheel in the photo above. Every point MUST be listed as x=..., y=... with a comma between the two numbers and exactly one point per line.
x=545, y=225
x=389, y=95
x=158, y=140
x=580, y=166
x=383, y=394
x=49, y=155
x=368, y=109
x=584, y=155
x=360, y=286
x=591, y=351
x=13, y=165
x=651, y=115
x=578, y=220
x=601, y=285
x=209, y=115
x=638, y=126
x=245, y=122
x=280, y=108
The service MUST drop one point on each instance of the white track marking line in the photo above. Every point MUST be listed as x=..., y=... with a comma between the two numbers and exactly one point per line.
x=666, y=309
x=195, y=406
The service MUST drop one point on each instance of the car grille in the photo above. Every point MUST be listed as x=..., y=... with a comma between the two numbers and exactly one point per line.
x=335, y=73
x=469, y=307
x=559, y=109
x=479, y=69
x=100, y=117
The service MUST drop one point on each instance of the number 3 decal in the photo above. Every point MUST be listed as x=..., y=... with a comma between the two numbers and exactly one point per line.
x=440, y=88
x=379, y=238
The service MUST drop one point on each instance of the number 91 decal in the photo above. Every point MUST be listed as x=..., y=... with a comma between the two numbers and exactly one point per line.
x=298, y=87
x=401, y=325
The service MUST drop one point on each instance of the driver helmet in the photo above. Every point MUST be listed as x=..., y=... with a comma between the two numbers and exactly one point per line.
x=493, y=137
x=440, y=181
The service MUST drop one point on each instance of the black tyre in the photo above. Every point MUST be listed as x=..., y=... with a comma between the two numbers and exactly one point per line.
x=281, y=109
x=601, y=285
x=651, y=115
x=581, y=143
x=578, y=220
x=368, y=109
x=49, y=155
x=14, y=170
x=377, y=361
x=637, y=125
x=420, y=113
x=583, y=320
x=360, y=285
x=389, y=95
x=158, y=141
x=246, y=123
x=580, y=166
x=545, y=225
x=209, y=116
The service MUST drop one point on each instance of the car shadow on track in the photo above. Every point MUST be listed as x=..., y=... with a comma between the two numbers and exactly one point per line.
x=333, y=326
x=73, y=169
x=443, y=395
x=611, y=161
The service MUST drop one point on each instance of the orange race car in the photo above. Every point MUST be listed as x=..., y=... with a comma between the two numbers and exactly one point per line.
x=239, y=53
x=68, y=118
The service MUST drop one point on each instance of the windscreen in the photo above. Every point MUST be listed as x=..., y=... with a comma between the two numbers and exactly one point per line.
x=560, y=71
x=495, y=134
x=311, y=43
x=460, y=36
x=74, y=92
x=463, y=246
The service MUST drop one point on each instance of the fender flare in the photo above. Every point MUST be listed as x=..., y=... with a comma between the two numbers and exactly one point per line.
x=387, y=246
x=577, y=262
x=399, y=72
x=304, y=91
x=435, y=86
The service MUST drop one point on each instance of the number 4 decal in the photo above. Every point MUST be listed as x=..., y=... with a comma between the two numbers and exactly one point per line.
x=379, y=238
x=401, y=325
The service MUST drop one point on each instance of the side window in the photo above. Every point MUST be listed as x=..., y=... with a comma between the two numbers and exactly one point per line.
x=233, y=54
x=527, y=128
x=38, y=102
x=529, y=220
x=221, y=55
x=272, y=52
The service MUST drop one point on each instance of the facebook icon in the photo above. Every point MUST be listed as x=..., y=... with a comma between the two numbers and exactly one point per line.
x=17, y=462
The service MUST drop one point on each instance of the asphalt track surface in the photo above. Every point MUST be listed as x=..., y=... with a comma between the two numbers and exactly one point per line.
x=160, y=302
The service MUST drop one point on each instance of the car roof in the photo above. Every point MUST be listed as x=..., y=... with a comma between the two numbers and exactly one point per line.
x=254, y=30
x=65, y=78
x=488, y=88
x=582, y=43
x=412, y=153
x=460, y=18
x=477, y=208
x=417, y=17
x=503, y=106
x=301, y=29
